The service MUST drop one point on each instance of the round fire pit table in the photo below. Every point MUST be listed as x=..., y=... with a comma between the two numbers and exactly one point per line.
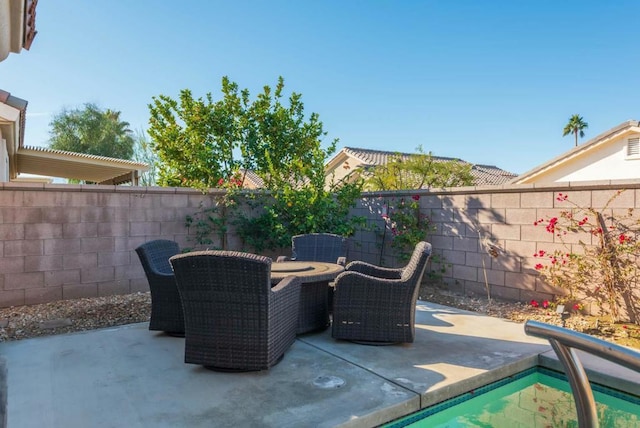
x=315, y=276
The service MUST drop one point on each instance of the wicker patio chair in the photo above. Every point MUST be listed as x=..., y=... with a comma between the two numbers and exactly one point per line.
x=166, y=309
x=234, y=320
x=376, y=305
x=318, y=247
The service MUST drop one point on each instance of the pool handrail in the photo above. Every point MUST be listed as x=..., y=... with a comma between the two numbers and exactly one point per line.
x=564, y=342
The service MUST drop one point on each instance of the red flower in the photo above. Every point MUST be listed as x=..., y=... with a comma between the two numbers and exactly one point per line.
x=622, y=238
x=551, y=227
x=539, y=266
x=583, y=221
x=221, y=182
x=545, y=304
x=562, y=197
x=416, y=197
x=534, y=303
x=577, y=307
x=625, y=327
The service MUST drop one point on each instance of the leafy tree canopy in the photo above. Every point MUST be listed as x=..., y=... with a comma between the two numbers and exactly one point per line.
x=418, y=171
x=202, y=143
x=91, y=130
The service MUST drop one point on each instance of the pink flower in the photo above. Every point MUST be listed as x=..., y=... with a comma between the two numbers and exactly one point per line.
x=545, y=304
x=562, y=197
x=534, y=303
x=551, y=227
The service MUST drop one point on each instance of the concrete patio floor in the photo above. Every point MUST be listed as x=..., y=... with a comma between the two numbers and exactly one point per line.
x=130, y=377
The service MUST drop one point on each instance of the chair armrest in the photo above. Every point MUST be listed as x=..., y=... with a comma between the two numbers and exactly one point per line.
x=281, y=259
x=373, y=270
x=288, y=282
x=286, y=294
x=358, y=286
x=342, y=261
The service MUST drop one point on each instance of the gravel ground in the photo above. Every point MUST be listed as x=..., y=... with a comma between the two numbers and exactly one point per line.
x=65, y=316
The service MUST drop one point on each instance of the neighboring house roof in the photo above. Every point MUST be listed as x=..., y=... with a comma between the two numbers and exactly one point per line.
x=581, y=151
x=252, y=180
x=483, y=174
x=56, y=163
x=17, y=25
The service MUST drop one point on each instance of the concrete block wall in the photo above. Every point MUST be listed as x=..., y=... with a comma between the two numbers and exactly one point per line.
x=60, y=241
x=467, y=218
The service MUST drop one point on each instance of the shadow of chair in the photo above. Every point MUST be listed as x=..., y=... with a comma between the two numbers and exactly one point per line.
x=376, y=305
x=234, y=320
x=166, y=308
x=318, y=247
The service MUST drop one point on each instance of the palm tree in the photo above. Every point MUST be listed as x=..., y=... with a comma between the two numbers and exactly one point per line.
x=575, y=126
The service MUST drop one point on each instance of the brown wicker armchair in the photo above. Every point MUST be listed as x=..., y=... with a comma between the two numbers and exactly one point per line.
x=234, y=320
x=376, y=305
x=318, y=247
x=166, y=309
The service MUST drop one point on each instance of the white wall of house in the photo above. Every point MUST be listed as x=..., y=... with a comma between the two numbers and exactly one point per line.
x=340, y=168
x=609, y=162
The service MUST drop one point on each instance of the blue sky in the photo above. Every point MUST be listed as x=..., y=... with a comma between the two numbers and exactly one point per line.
x=490, y=82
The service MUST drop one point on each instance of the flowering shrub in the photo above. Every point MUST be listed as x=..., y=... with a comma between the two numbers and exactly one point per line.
x=603, y=265
x=407, y=225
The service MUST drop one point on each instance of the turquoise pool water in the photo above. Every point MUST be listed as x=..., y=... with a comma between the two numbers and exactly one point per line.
x=534, y=398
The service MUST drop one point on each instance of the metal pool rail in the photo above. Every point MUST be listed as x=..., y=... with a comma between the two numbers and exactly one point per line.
x=564, y=342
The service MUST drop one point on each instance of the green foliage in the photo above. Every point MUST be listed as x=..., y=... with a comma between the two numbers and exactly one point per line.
x=576, y=126
x=278, y=216
x=92, y=131
x=200, y=142
x=418, y=171
x=604, y=267
x=195, y=139
x=142, y=152
x=407, y=225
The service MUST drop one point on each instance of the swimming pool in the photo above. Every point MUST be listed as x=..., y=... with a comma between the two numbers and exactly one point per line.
x=537, y=397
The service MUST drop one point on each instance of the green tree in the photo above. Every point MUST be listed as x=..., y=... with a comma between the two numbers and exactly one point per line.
x=201, y=143
x=418, y=171
x=576, y=126
x=91, y=130
x=142, y=152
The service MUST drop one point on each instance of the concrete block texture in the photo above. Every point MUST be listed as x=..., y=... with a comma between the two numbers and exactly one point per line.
x=59, y=241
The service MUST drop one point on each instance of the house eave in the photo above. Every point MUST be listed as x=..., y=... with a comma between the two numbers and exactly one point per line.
x=617, y=132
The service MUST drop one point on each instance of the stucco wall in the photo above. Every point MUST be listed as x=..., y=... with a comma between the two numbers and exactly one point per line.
x=61, y=241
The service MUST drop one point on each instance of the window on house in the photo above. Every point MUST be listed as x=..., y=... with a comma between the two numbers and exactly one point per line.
x=633, y=147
